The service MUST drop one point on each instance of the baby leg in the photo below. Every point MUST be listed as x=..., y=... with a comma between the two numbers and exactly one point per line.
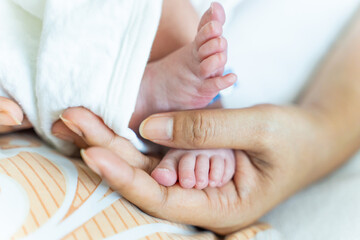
x=177, y=28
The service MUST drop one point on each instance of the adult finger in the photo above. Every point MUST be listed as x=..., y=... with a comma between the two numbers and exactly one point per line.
x=136, y=184
x=11, y=117
x=61, y=131
x=133, y=183
x=10, y=113
x=92, y=130
x=247, y=129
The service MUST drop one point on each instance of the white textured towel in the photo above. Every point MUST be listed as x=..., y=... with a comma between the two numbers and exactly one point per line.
x=92, y=53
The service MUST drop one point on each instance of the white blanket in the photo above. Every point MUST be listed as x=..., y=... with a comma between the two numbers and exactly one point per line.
x=92, y=53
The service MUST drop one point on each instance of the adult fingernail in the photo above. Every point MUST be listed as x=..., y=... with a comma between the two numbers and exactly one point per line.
x=8, y=119
x=71, y=126
x=157, y=128
x=64, y=137
x=90, y=162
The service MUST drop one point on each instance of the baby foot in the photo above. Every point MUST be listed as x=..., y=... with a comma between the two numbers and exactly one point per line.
x=196, y=168
x=190, y=77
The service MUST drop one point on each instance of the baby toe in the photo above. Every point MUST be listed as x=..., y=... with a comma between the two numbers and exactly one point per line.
x=202, y=171
x=215, y=13
x=164, y=176
x=216, y=45
x=210, y=65
x=212, y=29
x=229, y=170
x=187, y=171
x=216, y=170
x=165, y=172
x=218, y=12
x=213, y=86
x=219, y=72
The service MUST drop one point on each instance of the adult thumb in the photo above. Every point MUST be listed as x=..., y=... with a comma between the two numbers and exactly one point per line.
x=202, y=129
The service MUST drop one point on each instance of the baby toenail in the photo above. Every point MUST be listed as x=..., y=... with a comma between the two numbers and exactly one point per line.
x=163, y=169
x=186, y=181
x=201, y=182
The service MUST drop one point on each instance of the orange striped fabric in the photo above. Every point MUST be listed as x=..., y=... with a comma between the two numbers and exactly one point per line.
x=45, y=186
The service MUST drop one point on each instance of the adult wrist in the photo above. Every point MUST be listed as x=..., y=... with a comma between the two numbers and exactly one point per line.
x=335, y=144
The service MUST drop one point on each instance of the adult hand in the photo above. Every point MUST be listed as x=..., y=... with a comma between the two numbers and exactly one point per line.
x=283, y=150
x=11, y=116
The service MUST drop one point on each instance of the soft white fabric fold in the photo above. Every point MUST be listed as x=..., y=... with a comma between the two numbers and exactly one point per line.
x=70, y=53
